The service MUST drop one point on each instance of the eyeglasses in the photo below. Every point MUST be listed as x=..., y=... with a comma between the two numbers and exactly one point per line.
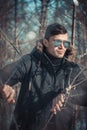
x=59, y=42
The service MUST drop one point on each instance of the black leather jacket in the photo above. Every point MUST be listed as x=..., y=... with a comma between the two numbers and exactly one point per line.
x=40, y=84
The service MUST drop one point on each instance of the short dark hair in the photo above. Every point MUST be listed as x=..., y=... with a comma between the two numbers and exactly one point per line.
x=54, y=29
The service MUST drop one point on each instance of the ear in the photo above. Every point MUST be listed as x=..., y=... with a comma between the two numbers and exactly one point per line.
x=45, y=42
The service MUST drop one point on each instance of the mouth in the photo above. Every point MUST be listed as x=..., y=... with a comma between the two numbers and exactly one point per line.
x=60, y=52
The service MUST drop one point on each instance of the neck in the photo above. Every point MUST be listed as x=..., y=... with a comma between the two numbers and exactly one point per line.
x=53, y=59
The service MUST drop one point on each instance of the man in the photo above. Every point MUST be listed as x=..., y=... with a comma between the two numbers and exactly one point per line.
x=44, y=74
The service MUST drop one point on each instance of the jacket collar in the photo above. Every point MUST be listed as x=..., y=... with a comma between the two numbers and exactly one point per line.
x=46, y=61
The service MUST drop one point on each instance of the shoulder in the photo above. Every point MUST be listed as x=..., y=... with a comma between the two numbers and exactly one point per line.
x=23, y=64
x=72, y=65
x=26, y=58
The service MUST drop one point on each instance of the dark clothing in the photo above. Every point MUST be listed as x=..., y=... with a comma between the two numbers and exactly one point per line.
x=42, y=79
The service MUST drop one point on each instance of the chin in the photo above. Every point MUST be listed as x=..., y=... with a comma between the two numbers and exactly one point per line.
x=59, y=56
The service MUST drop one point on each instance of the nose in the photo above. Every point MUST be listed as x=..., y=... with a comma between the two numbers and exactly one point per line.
x=61, y=45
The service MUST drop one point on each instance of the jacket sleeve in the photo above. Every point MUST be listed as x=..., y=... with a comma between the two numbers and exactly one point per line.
x=21, y=69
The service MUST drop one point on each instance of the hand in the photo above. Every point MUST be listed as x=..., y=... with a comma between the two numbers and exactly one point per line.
x=9, y=93
x=57, y=103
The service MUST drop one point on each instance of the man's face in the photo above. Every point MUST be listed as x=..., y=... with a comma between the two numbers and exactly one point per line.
x=57, y=45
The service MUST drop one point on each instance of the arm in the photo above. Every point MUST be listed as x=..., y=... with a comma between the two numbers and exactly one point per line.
x=21, y=69
x=77, y=93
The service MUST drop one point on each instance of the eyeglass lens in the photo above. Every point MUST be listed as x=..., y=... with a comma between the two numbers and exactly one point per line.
x=59, y=42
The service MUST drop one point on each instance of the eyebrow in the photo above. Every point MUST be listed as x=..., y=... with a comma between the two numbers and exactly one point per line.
x=61, y=40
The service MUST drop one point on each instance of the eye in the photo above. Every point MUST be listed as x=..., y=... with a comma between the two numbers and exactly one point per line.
x=57, y=42
x=66, y=44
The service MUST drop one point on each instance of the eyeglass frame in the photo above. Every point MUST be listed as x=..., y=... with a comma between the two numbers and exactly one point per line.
x=61, y=41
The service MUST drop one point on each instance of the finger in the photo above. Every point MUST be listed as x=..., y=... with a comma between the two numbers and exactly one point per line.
x=12, y=101
x=11, y=96
x=62, y=98
x=52, y=110
x=58, y=108
x=6, y=90
x=55, y=111
x=54, y=103
x=60, y=103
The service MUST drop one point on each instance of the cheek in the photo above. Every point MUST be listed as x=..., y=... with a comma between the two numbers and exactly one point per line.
x=64, y=49
x=51, y=47
x=58, y=48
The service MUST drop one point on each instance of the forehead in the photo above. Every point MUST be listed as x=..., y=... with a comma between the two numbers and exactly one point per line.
x=60, y=36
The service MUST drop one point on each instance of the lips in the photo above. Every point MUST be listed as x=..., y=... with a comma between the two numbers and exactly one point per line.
x=60, y=52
